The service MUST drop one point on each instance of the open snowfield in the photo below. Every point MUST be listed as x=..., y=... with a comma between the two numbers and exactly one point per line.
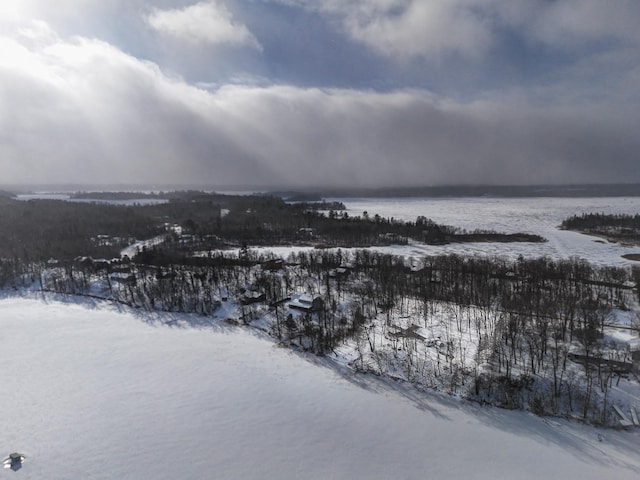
x=531, y=215
x=91, y=392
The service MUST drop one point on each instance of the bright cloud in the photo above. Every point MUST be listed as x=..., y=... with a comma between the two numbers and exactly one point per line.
x=205, y=22
x=571, y=23
x=418, y=28
x=407, y=29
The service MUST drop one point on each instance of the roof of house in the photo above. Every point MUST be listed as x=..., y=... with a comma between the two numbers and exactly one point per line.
x=303, y=301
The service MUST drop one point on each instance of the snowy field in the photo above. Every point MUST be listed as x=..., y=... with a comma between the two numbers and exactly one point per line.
x=94, y=393
x=531, y=215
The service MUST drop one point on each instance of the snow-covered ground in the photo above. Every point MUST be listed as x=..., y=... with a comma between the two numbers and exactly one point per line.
x=91, y=392
x=133, y=249
x=532, y=215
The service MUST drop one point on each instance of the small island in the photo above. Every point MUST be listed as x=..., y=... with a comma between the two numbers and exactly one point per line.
x=621, y=228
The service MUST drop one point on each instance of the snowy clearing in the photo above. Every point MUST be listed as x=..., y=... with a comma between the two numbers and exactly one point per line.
x=96, y=393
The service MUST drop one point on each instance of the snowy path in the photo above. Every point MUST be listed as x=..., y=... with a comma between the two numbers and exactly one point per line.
x=97, y=394
x=133, y=249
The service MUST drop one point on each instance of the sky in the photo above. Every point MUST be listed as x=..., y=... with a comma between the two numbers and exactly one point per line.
x=301, y=93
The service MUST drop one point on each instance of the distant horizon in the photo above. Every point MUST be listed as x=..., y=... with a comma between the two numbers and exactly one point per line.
x=564, y=189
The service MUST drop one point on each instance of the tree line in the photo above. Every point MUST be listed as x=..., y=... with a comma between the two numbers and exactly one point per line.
x=43, y=229
x=617, y=228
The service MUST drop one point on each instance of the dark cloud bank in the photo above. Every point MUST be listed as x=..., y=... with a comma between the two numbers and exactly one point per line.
x=77, y=109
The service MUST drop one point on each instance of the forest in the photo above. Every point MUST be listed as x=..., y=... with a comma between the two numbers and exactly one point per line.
x=44, y=229
x=525, y=334
x=530, y=333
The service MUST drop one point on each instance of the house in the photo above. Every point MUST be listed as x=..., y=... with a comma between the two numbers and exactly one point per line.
x=102, y=264
x=307, y=303
x=83, y=262
x=123, y=278
x=411, y=332
x=278, y=302
x=186, y=239
x=250, y=297
x=613, y=366
x=121, y=268
x=274, y=265
x=340, y=272
x=170, y=275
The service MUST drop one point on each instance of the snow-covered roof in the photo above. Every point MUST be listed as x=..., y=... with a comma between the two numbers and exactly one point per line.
x=302, y=301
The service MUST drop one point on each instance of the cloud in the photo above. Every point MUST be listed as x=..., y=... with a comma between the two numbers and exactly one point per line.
x=208, y=23
x=79, y=110
x=409, y=29
x=571, y=23
x=61, y=10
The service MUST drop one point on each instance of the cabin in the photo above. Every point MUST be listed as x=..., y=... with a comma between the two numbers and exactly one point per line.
x=102, y=264
x=411, y=332
x=307, y=303
x=251, y=297
x=161, y=275
x=186, y=239
x=83, y=262
x=95, y=264
x=278, y=302
x=273, y=265
x=614, y=366
x=121, y=268
x=123, y=278
x=340, y=272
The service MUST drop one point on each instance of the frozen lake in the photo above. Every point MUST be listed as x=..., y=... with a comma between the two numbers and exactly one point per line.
x=69, y=198
x=532, y=215
x=94, y=393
